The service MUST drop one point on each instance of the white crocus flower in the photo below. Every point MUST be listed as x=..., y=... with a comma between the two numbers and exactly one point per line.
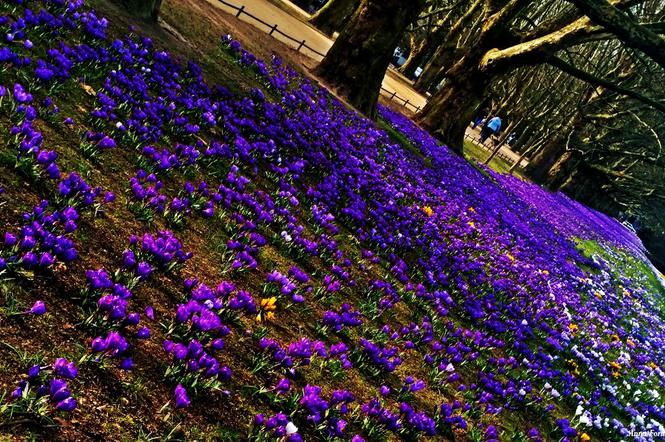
x=291, y=428
x=585, y=419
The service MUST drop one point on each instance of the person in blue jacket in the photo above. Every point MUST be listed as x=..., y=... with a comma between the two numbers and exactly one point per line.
x=492, y=127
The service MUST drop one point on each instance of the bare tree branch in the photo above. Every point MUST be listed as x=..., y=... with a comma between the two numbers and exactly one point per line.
x=592, y=79
x=625, y=28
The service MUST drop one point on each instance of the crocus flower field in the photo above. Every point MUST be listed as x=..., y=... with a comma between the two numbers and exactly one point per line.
x=179, y=261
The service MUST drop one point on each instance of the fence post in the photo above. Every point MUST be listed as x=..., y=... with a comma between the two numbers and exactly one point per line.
x=302, y=43
x=273, y=29
x=406, y=104
x=240, y=11
x=418, y=109
x=392, y=97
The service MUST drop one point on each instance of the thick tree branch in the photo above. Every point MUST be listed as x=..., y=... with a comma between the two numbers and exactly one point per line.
x=534, y=51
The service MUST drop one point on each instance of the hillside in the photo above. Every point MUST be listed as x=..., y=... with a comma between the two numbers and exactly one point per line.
x=218, y=249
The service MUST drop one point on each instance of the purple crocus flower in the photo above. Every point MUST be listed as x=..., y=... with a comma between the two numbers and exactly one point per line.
x=33, y=372
x=283, y=386
x=143, y=333
x=126, y=364
x=67, y=405
x=21, y=95
x=181, y=398
x=38, y=308
x=143, y=270
x=64, y=368
x=10, y=239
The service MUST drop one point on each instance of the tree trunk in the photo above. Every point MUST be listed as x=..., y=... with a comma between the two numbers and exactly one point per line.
x=501, y=142
x=434, y=70
x=543, y=161
x=520, y=143
x=144, y=9
x=417, y=57
x=420, y=56
x=517, y=164
x=584, y=184
x=444, y=55
x=540, y=165
x=448, y=113
x=334, y=15
x=558, y=174
x=358, y=60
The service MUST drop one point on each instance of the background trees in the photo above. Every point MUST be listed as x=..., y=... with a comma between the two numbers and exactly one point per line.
x=469, y=44
x=505, y=36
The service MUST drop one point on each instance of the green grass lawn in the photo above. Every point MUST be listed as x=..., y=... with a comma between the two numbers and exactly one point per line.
x=476, y=153
x=626, y=265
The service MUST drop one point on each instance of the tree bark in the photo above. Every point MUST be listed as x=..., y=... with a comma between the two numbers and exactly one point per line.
x=447, y=114
x=585, y=184
x=518, y=164
x=334, y=15
x=527, y=136
x=443, y=57
x=417, y=57
x=546, y=157
x=421, y=55
x=358, y=60
x=144, y=9
x=560, y=171
x=434, y=71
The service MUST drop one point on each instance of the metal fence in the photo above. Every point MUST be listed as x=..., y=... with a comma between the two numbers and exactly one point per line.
x=301, y=46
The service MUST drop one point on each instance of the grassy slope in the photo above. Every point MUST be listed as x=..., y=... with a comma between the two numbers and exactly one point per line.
x=127, y=406
x=475, y=153
x=626, y=265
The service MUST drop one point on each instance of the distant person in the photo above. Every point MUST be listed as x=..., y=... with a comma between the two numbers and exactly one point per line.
x=492, y=127
x=478, y=120
x=511, y=139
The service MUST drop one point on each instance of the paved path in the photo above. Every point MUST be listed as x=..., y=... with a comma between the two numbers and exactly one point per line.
x=295, y=25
